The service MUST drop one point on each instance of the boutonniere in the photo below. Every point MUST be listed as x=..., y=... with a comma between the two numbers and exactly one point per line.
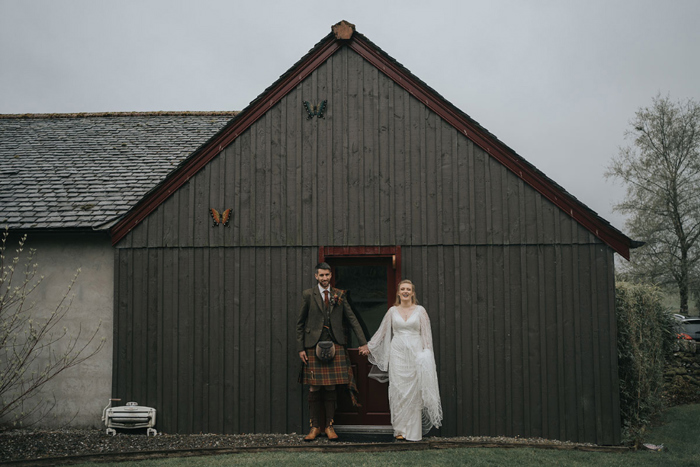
x=336, y=297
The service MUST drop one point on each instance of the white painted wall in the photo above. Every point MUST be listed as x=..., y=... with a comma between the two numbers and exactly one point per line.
x=81, y=392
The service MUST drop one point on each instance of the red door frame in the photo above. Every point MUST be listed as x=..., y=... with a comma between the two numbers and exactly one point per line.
x=365, y=417
x=361, y=252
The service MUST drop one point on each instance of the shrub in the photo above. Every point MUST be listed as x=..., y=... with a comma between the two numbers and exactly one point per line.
x=645, y=341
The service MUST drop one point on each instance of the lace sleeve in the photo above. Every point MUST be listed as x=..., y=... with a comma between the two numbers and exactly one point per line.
x=380, y=344
x=426, y=333
x=427, y=375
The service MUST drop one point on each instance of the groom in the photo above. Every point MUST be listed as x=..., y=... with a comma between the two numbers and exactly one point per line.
x=321, y=319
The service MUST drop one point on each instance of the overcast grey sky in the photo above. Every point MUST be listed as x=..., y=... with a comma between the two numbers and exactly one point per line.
x=558, y=81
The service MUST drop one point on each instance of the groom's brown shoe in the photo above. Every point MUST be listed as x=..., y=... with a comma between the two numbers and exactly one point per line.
x=330, y=432
x=315, y=431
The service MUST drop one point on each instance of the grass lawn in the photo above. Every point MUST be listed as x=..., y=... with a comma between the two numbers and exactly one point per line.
x=680, y=433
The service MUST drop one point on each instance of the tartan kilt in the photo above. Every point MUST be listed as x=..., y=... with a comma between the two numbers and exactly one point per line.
x=337, y=371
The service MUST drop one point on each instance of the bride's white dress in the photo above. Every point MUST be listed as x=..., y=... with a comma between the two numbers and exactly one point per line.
x=404, y=350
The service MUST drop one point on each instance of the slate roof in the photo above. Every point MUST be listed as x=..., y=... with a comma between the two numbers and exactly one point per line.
x=77, y=171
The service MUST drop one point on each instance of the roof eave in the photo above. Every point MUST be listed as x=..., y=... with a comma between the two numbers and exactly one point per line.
x=226, y=136
x=619, y=242
x=482, y=138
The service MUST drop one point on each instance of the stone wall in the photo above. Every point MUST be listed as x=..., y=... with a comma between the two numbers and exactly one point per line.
x=682, y=375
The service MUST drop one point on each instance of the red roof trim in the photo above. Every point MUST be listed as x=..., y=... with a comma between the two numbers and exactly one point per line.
x=245, y=119
x=488, y=143
x=616, y=240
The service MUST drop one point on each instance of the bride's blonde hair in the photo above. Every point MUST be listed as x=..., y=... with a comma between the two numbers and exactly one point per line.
x=414, y=299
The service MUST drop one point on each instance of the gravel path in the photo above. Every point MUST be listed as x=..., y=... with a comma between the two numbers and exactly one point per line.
x=38, y=444
x=16, y=445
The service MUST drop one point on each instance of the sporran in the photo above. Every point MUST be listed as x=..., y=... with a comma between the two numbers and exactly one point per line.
x=325, y=351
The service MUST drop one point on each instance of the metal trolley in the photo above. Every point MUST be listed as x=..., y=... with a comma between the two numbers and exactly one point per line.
x=130, y=416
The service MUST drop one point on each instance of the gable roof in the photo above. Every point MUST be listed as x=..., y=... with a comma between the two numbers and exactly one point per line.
x=343, y=35
x=82, y=171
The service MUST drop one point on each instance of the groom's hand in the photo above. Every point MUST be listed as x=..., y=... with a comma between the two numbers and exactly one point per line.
x=303, y=356
x=364, y=350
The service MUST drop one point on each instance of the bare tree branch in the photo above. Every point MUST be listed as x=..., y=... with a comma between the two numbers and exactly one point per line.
x=661, y=171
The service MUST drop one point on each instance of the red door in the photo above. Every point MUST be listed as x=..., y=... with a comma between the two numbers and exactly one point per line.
x=369, y=274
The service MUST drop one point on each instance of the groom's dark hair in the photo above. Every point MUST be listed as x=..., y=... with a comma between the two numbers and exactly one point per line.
x=325, y=266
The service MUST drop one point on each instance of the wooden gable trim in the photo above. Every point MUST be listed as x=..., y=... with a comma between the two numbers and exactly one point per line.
x=613, y=238
x=224, y=138
x=616, y=240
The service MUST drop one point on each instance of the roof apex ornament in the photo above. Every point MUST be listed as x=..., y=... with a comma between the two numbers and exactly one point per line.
x=343, y=30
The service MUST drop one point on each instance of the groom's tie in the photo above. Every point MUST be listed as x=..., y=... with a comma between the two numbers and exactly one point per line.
x=325, y=297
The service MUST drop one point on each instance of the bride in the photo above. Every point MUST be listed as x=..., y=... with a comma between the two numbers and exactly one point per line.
x=403, y=348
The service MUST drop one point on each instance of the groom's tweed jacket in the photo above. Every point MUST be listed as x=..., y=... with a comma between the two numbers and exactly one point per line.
x=311, y=314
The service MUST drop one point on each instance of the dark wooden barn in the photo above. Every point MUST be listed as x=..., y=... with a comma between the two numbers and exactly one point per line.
x=350, y=158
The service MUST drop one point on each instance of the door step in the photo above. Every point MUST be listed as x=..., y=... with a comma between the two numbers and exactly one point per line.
x=365, y=429
x=365, y=433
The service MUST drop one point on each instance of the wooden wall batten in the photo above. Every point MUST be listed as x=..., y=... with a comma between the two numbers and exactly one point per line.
x=513, y=358
x=521, y=296
x=379, y=168
x=199, y=337
x=204, y=335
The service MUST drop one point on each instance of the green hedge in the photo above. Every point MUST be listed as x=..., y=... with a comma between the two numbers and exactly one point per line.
x=645, y=342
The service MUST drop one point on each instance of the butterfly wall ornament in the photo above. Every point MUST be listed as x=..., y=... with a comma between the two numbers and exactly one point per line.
x=220, y=219
x=315, y=110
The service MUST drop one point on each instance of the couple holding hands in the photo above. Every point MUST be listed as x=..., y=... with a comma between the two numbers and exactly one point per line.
x=401, y=352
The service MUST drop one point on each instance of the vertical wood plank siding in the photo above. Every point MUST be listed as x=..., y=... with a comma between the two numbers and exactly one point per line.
x=520, y=295
x=377, y=169
x=219, y=356
x=517, y=379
